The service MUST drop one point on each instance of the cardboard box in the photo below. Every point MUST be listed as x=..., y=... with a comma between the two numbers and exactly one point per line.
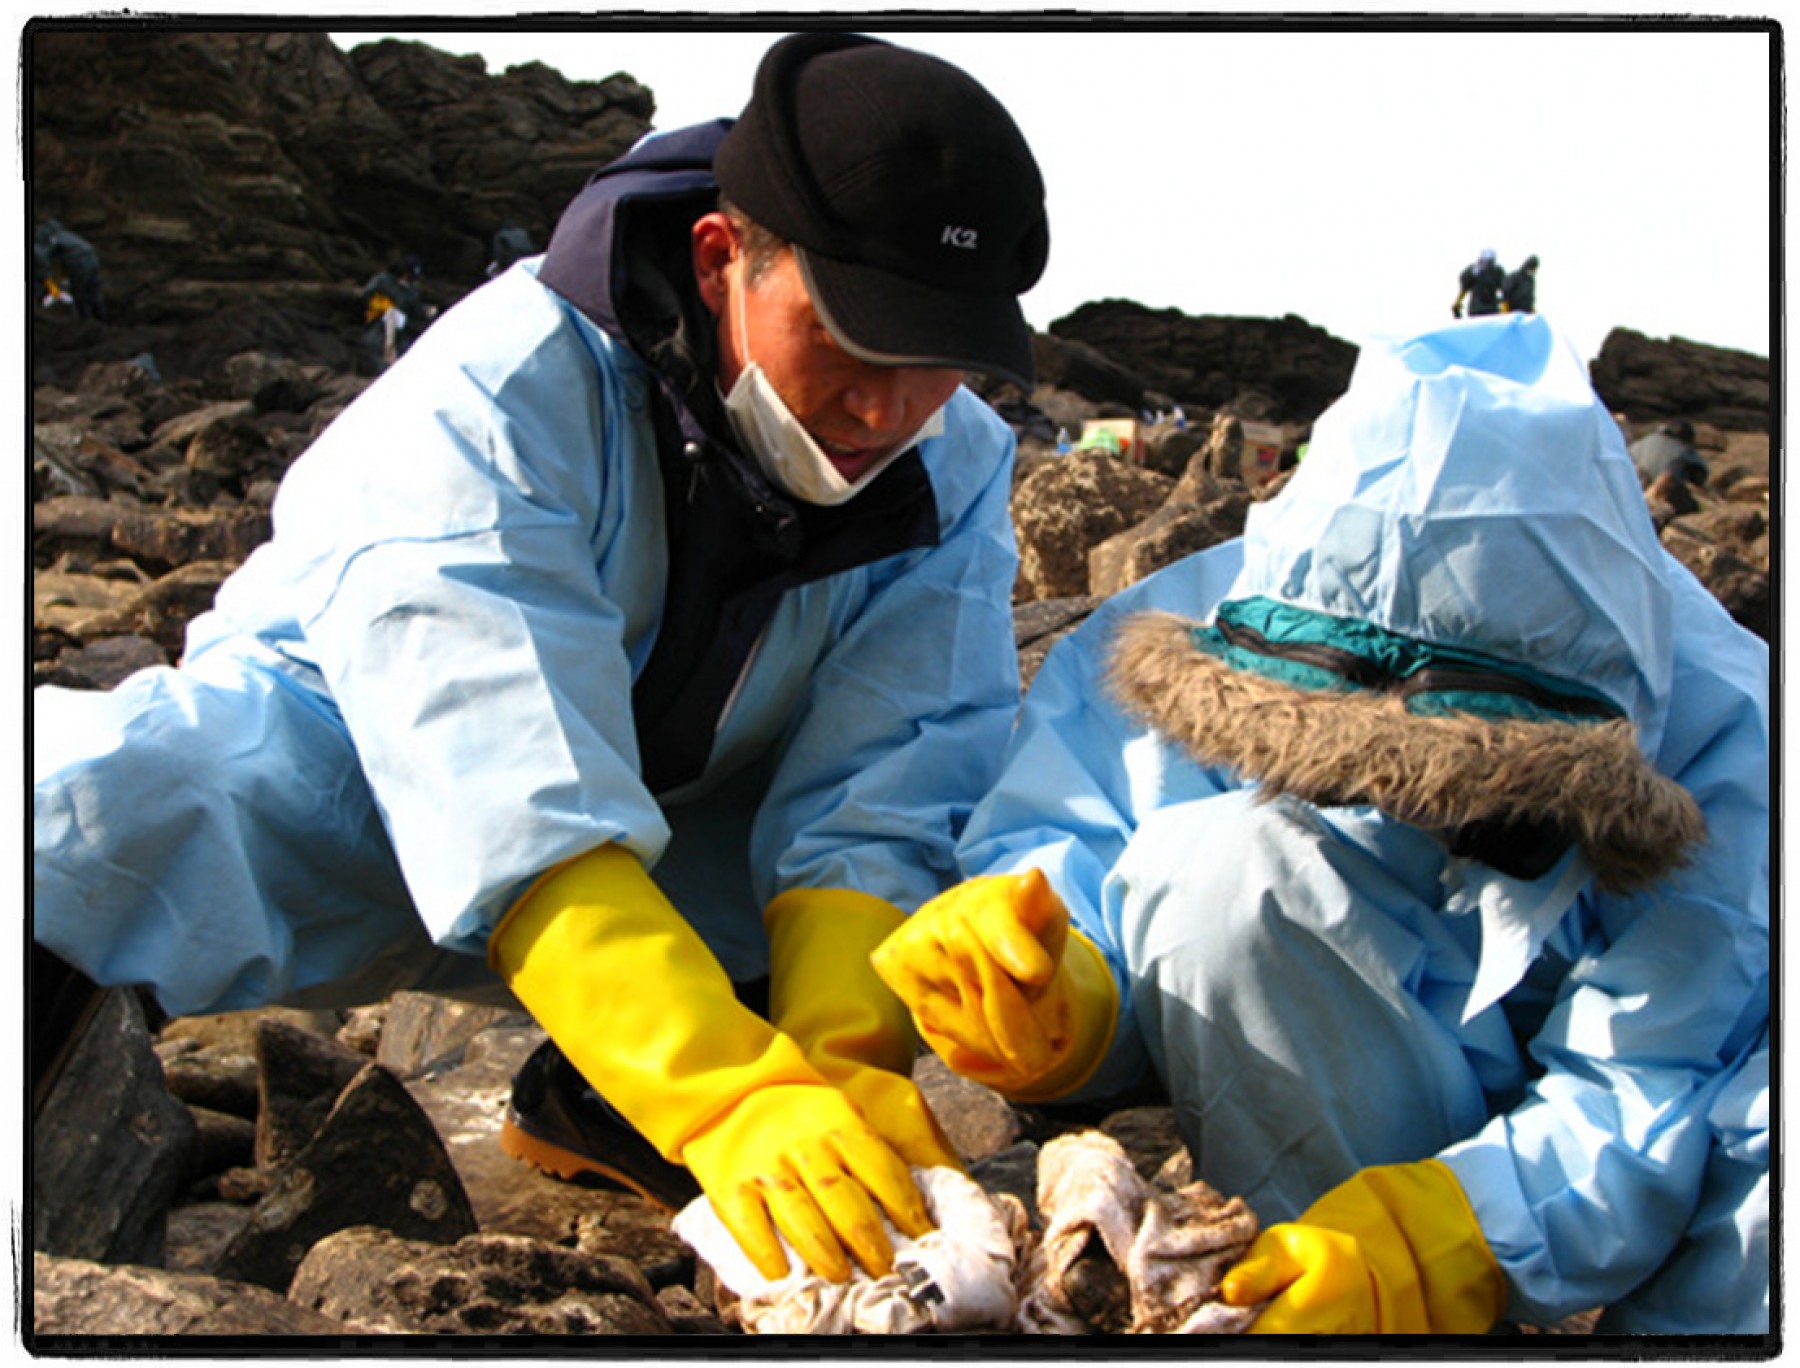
x=1125, y=430
x=1263, y=443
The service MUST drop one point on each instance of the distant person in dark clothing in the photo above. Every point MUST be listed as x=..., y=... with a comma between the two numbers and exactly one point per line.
x=1670, y=448
x=511, y=243
x=68, y=264
x=393, y=310
x=1519, y=294
x=1481, y=282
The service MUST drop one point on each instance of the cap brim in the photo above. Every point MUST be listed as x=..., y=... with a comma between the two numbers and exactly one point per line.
x=889, y=320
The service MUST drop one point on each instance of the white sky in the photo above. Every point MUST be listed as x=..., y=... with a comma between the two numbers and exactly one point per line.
x=1347, y=176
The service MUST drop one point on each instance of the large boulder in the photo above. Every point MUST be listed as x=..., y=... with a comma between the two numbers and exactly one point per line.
x=1068, y=506
x=1293, y=368
x=1676, y=378
x=76, y=1299
x=244, y=183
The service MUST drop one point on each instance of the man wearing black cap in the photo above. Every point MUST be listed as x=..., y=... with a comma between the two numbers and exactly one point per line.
x=699, y=564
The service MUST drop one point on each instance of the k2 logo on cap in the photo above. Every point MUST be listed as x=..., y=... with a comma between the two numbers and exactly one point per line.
x=959, y=237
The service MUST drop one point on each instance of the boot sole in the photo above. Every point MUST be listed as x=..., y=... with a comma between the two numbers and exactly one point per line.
x=520, y=1144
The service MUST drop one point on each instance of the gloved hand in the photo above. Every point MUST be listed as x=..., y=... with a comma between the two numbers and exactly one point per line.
x=1392, y=1250
x=639, y=1005
x=1002, y=988
x=824, y=993
x=1456, y=310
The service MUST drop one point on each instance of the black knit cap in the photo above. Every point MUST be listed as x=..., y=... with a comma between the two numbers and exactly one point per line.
x=912, y=200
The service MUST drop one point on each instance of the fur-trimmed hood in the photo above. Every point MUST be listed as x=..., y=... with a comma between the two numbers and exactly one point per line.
x=1466, y=512
x=1469, y=491
x=1589, y=780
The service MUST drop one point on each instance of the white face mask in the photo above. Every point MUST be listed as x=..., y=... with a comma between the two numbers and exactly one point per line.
x=785, y=450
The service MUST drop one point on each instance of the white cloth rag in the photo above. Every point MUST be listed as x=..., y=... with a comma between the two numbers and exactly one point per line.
x=1117, y=1255
x=959, y=1277
x=1120, y=1255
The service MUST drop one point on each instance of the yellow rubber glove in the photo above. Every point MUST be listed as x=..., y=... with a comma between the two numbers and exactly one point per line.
x=824, y=993
x=633, y=997
x=1001, y=986
x=1393, y=1250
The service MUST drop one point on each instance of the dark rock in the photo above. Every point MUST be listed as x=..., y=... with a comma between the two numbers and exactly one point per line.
x=233, y=449
x=638, y=1233
x=687, y=1314
x=466, y=1105
x=424, y=1031
x=81, y=456
x=246, y=1186
x=74, y=1299
x=1669, y=497
x=103, y=663
x=1039, y=624
x=90, y=608
x=1743, y=589
x=111, y=1148
x=1148, y=1135
x=224, y=1141
x=300, y=1075
x=240, y=185
x=1741, y=526
x=976, y=1120
x=1677, y=378
x=362, y=1028
x=376, y=1160
x=1207, y=361
x=481, y=1284
x=1174, y=531
x=272, y=384
x=223, y=1081
x=1170, y=446
x=200, y=1233
x=1011, y=1170
x=158, y=539
x=1068, y=363
x=210, y=1061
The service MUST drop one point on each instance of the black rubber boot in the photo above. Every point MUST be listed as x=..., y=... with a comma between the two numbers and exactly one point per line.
x=558, y=1123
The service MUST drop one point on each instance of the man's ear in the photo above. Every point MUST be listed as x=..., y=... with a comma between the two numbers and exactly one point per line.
x=715, y=248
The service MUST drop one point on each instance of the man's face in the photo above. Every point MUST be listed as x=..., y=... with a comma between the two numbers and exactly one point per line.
x=857, y=412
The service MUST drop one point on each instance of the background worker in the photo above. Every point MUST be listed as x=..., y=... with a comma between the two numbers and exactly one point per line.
x=511, y=243
x=671, y=656
x=1418, y=842
x=1669, y=448
x=63, y=257
x=394, y=310
x=1519, y=292
x=1480, y=285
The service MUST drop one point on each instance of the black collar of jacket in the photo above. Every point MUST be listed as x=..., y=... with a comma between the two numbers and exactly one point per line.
x=621, y=255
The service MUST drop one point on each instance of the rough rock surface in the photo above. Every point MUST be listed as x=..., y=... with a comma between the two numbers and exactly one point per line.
x=111, y=1148
x=1279, y=369
x=1065, y=508
x=77, y=1299
x=369, y=1277
x=1677, y=378
x=260, y=177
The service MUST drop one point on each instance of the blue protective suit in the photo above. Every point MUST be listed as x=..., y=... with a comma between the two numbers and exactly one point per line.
x=1324, y=987
x=418, y=695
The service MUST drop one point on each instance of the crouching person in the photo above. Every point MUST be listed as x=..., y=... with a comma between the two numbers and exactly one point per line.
x=667, y=664
x=1419, y=842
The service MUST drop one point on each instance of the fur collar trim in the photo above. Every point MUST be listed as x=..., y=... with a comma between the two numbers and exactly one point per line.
x=1333, y=749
